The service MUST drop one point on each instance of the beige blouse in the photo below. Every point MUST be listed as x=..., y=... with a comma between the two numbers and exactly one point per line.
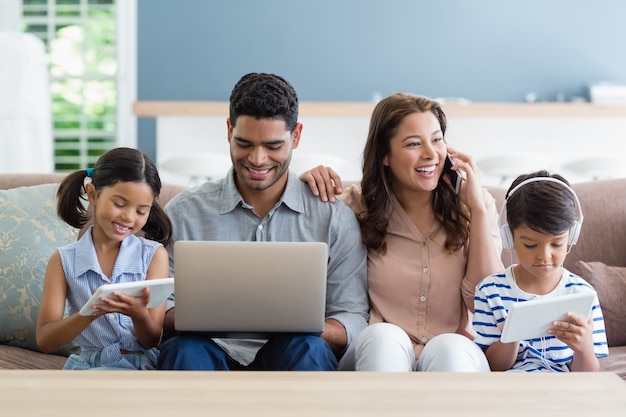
x=417, y=284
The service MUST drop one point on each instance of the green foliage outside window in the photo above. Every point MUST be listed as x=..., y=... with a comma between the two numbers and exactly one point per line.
x=83, y=67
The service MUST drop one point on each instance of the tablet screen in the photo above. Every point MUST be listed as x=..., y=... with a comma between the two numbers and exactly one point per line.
x=160, y=289
x=532, y=319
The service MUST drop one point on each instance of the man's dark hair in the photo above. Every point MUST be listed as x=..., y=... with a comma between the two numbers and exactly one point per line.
x=263, y=96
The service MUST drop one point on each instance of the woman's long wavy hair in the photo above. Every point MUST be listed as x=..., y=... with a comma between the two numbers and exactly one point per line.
x=376, y=182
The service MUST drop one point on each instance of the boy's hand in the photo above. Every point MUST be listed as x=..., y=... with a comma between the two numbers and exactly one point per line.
x=574, y=332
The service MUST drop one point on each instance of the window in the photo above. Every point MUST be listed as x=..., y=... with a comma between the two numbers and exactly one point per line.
x=91, y=56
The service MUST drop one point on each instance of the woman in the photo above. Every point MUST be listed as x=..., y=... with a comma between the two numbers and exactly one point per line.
x=428, y=247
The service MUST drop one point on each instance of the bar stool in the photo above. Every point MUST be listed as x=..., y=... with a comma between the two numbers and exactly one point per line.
x=301, y=162
x=596, y=168
x=506, y=167
x=197, y=168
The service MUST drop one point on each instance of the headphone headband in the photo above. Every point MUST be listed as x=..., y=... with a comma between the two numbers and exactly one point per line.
x=505, y=230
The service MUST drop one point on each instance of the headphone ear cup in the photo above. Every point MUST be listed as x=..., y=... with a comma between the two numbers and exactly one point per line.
x=507, y=236
x=574, y=233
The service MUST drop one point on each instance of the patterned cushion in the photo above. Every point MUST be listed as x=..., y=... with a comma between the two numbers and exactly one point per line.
x=30, y=232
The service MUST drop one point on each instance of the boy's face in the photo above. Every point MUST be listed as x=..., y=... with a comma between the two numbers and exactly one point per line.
x=540, y=255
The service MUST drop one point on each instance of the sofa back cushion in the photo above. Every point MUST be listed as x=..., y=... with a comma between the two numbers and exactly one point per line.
x=610, y=284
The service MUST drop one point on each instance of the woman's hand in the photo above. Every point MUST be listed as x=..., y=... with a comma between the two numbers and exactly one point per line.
x=323, y=181
x=471, y=187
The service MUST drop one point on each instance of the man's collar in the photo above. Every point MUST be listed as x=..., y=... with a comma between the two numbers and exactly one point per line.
x=230, y=196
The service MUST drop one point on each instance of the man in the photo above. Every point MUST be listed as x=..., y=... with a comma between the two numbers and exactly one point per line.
x=261, y=200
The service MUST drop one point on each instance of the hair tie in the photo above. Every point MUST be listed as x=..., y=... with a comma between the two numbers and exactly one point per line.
x=89, y=172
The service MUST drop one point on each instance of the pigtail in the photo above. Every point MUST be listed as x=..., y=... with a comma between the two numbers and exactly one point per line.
x=71, y=200
x=159, y=226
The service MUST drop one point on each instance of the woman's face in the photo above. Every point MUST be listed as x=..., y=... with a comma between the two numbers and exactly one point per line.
x=417, y=153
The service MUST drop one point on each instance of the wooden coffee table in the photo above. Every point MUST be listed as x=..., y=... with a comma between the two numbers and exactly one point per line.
x=187, y=394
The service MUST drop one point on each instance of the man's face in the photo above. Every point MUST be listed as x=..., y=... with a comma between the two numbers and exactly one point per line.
x=260, y=150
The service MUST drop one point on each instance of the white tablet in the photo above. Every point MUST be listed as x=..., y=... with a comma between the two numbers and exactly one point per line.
x=160, y=289
x=532, y=319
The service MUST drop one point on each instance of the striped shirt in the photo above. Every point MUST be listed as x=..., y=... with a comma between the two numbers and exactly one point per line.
x=494, y=296
x=111, y=332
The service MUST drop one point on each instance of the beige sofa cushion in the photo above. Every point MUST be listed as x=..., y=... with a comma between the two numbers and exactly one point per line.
x=610, y=284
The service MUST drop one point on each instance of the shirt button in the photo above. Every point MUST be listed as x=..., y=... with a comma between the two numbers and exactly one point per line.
x=425, y=270
x=260, y=227
x=424, y=339
x=423, y=298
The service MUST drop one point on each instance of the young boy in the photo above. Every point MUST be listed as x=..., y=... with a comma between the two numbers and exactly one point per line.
x=543, y=220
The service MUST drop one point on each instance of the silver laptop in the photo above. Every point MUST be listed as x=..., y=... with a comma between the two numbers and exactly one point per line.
x=250, y=289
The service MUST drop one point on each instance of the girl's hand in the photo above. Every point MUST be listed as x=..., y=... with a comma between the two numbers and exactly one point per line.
x=131, y=306
x=574, y=332
x=323, y=181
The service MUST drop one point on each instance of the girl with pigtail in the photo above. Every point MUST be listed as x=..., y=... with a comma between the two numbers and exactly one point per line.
x=122, y=191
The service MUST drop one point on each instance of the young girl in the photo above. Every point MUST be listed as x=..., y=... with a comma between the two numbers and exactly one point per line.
x=542, y=222
x=123, y=333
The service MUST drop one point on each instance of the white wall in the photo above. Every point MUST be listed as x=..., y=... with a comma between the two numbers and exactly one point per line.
x=558, y=139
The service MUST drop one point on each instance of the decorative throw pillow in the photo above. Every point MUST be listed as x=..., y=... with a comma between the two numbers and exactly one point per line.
x=610, y=284
x=30, y=231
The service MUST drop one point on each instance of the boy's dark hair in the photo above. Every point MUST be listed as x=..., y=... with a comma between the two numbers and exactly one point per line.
x=117, y=165
x=263, y=96
x=543, y=206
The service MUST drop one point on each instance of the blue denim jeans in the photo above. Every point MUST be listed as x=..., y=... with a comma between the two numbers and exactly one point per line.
x=281, y=353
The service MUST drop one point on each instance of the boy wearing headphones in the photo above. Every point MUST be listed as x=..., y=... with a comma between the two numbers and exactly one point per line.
x=543, y=220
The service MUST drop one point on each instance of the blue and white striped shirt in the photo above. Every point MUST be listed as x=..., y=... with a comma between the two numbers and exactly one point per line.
x=111, y=332
x=494, y=296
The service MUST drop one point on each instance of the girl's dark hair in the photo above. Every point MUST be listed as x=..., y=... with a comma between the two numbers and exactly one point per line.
x=117, y=165
x=543, y=206
x=376, y=182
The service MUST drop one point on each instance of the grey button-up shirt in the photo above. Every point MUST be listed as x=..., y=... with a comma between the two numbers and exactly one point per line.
x=216, y=211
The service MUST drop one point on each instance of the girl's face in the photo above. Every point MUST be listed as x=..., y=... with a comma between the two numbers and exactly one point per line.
x=120, y=210
x=417, y=153
x=540, y=256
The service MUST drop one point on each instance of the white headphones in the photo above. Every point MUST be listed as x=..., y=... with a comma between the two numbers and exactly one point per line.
x=505, y=230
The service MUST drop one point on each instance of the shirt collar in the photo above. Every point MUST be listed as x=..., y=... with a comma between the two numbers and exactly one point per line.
x=292, y=196
x=87, y=260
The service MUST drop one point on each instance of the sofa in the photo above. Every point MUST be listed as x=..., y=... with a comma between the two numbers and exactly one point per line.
x=599, y=257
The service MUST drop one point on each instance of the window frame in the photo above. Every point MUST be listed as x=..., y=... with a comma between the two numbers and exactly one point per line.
x=126, y=78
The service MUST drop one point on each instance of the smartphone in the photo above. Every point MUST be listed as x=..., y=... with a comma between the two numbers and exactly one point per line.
x=455, y=177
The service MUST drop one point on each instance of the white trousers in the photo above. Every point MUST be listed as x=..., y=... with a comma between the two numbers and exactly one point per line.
x=386, y=347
